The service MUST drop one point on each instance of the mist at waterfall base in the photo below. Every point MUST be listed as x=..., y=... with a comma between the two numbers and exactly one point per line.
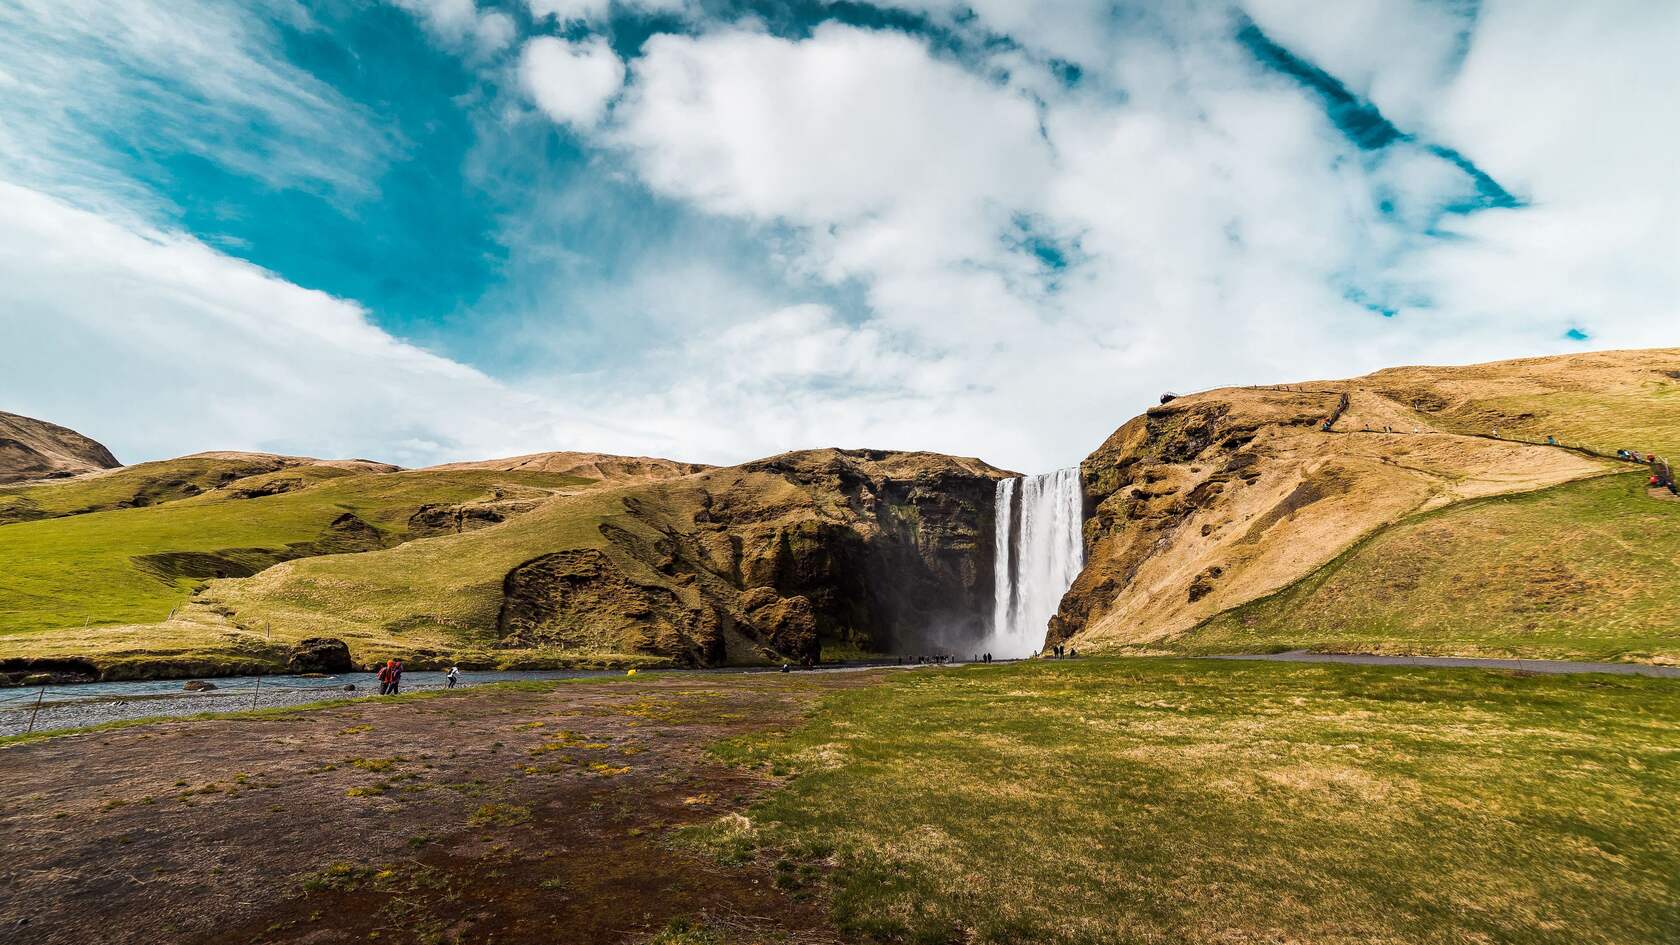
x=1037, y=552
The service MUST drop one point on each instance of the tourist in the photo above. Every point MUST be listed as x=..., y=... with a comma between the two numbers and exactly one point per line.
x=454, y=674
x=385, y=677
x=396, y=676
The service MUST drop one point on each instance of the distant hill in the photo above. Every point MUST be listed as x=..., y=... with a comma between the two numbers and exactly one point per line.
x=36, y=449
x=1218, y=499
x=601, y=466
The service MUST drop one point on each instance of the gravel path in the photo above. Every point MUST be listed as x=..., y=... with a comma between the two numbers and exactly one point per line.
x=1460, y=662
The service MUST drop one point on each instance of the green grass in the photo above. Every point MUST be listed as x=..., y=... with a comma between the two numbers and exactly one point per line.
x=447, y=589
x=68, y=572
x=145, y=484
x=1646, y=419
x=1171, y=801
x=1585, y=570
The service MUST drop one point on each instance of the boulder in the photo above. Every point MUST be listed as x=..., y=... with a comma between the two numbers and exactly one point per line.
x=320, y=655
x=197, y=685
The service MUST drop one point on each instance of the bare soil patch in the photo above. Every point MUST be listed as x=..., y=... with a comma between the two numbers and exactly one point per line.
x=507, y=815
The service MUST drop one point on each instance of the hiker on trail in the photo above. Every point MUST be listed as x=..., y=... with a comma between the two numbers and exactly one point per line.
x=453, y=675
x=396, y=676
x=385, y=677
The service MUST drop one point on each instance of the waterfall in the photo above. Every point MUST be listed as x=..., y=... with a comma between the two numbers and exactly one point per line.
x=1036, y=554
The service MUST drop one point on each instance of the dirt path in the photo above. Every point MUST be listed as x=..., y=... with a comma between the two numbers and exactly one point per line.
x=1527, y=666
x=505, y=816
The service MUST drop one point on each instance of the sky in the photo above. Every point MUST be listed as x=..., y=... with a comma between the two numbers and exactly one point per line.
x=429, y=230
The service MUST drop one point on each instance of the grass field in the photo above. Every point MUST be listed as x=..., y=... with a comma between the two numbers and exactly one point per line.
x=445, y=591
x=91, y=568
x=1585, y=570
x=1165, y=801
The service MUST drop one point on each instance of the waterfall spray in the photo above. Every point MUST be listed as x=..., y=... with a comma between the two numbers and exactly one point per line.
x=1036, y=554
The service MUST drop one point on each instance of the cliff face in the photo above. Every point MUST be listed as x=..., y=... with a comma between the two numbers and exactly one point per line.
x=856, y=549
x=35, y=449
x=1216, y=499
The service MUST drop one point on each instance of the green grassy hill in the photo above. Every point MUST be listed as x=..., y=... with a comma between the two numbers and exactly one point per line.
x=169, y=480
x=134, y=565
x=1584, y=570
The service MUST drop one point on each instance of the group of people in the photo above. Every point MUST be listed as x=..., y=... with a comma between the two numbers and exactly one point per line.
x=390, y=677
x=1061, y=651
x=1662, y=474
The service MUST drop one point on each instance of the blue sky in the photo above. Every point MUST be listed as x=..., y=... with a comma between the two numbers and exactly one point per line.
x=427, y=230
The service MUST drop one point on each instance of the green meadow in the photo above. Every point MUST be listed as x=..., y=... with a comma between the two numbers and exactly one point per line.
x=1585, y=570
x=1167, y=800
x=96, y=568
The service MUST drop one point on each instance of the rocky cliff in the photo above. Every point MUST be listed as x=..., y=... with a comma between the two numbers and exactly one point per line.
x=856, y=549
x=838, y=550
x=36, y=449
x=1216, y=499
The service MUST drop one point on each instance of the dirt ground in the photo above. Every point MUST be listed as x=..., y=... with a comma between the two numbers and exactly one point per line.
x=480, y=816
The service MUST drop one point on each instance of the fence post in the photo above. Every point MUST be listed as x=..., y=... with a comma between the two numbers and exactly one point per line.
x=35, y=709
x=258, y=692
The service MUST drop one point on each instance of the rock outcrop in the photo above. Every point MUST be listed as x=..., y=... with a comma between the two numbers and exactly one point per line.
x=866, y=550
x=36, y=449
x=320, y=655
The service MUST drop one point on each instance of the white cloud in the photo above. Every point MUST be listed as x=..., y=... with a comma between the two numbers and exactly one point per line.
x=166, y=78
x=460, y=23
x=157, y=345
x=1009, y=264
x=1221, y=227
x=571, y=82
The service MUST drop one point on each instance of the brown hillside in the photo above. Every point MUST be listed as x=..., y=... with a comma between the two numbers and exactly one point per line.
x=1218, y=498
x=602, y=466
x=36, y=449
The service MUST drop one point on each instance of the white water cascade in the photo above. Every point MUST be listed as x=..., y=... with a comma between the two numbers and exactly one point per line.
x=1036, y=555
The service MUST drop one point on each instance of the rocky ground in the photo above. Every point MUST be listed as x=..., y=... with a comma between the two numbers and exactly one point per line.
x=536, y=814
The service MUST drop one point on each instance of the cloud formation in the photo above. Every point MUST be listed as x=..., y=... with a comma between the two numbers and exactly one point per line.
x=571, y=82
x=992, y=227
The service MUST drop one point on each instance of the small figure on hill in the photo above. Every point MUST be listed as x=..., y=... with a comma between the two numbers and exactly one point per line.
x=451, y=677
